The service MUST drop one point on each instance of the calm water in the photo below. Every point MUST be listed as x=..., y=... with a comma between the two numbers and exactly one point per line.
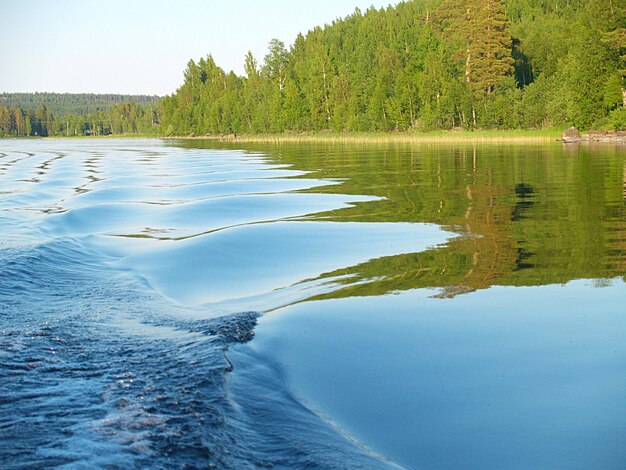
x=184, y=304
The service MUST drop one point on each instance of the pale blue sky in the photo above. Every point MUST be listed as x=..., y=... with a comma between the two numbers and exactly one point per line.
x=142, y=46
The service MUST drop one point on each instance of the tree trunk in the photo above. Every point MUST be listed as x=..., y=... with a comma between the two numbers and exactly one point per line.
x=468, y=50
x=468, y=59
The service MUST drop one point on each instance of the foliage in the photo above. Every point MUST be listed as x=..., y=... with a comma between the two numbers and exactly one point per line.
x=138, y=115
x=420, y=65
x=617, y=119
x=81, y=104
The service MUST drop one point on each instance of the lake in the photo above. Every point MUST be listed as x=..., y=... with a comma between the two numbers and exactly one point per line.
x=170, y=304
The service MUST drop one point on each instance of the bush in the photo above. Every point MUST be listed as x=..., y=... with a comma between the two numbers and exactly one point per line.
x=617, y=119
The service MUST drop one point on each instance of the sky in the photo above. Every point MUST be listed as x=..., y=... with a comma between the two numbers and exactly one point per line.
x=143, y=46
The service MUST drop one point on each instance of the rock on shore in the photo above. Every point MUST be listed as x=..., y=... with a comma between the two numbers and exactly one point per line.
x=573, y=135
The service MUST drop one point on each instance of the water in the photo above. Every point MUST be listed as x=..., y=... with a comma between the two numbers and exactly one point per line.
x=189, y=304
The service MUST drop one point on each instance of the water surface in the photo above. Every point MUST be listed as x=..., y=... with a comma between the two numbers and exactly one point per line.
x=186, y=303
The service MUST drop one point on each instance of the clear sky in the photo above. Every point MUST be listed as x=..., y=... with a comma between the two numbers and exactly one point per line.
x=143, y=46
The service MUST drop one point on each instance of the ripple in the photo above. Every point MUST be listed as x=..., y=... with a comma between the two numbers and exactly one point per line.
x=129, y=273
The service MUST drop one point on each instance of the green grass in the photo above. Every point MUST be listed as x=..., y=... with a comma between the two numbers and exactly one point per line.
x=503, y=136
x=484, y=136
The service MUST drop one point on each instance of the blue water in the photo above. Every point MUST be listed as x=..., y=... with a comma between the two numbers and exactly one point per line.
x=172, y=307
x=507, y=378
x=128, y=269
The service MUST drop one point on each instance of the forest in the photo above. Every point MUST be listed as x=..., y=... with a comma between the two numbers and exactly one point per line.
x=80, y=104
x=66, y=114
x=420, y=65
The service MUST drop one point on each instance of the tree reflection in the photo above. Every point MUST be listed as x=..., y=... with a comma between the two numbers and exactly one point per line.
x=528, y=214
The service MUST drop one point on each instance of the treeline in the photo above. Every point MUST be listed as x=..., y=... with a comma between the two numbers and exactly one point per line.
x=421, y=65
x=425, y=64
x=117, y=119
x=80, y=104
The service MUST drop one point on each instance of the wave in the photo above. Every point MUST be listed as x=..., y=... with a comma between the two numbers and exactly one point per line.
x=101, y=372
x=129, y=270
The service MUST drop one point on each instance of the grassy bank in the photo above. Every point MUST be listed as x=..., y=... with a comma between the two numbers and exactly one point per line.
x=486, y=136
x=482, y=136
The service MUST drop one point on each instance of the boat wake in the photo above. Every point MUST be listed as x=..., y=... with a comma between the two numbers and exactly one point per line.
x=122, y=269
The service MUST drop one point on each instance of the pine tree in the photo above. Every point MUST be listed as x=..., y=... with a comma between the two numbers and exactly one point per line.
x=42, y=120
x=482, y=30
x=611, y=16
x=5, y=121
x=490, y=45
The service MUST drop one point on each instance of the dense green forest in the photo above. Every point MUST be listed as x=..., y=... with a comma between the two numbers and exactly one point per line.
x=416, y=66
x=80, y=104
x=424, y=64
x=44, y=114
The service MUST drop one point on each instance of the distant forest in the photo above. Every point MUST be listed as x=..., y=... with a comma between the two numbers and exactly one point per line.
x=417, y=66
x=79, y=104
x=44, y=114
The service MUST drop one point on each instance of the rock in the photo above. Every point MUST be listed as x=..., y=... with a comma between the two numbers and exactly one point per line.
x=571, y=135
x=613, y=137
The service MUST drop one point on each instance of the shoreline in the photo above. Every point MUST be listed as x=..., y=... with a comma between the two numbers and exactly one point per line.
x=573, y=136
x=554, y=135
x=517, y=136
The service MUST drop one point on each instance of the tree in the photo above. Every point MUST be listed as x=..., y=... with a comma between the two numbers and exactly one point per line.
x=275, y=63
x=611, y=17
x=42, y=119
x=422, y=65
x=17, y=121
x=5, y=121
x=490, y=45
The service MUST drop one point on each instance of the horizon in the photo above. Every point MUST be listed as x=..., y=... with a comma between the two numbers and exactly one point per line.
x=107, y=62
